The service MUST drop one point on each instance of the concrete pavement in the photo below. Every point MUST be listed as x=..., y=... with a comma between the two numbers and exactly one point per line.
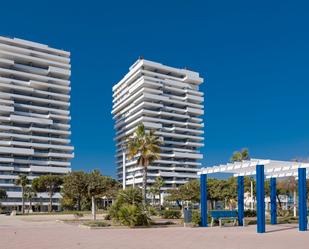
x=43, y=232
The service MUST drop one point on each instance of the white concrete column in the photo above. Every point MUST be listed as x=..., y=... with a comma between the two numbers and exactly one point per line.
x=251, y=194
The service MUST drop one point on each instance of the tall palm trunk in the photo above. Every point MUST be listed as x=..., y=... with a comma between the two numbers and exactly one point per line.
x=23, y=200
x=93, y=208
x=144, y=185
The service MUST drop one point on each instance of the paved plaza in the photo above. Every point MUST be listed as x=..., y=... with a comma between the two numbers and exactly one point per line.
x=44, y=232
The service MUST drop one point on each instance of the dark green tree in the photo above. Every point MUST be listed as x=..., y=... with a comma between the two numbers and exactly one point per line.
x=75, y=188
x=50, y=184
x=99, y=186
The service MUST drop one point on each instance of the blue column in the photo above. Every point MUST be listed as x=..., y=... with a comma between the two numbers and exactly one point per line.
x=203, y=190
x=240, y=185
x=273, y=201
x=260, y=199
x=302, y=199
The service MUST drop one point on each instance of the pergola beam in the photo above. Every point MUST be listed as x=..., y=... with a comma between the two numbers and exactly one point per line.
x=273, y=168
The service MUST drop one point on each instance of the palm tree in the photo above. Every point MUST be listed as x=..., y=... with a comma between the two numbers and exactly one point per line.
x=29, y=195
x=22, y=181
x=144, y=145
x=239, y=156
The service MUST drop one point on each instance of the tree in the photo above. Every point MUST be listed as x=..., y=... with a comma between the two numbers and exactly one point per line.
x=283, y=187
x=190, y=191
x=215, y=190
x=22, y=181
x=29, y=195
x=98, y=186
x=3, y=194
x=75, y=187
x=144, y=145
x=50, y=184
x=239, y=156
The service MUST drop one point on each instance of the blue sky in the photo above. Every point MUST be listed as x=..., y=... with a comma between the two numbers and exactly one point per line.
x=254, y=56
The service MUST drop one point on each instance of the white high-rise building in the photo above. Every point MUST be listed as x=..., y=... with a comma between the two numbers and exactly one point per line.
x=169, y=101
x=34, y=115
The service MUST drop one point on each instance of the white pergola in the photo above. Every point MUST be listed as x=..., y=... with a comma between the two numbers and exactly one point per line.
x=261, y=168
x=272, y=168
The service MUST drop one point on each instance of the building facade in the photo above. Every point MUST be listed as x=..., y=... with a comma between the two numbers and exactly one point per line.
x=167, y=100
x=34, y=115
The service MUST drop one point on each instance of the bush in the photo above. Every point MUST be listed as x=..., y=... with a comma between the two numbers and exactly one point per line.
x=152, y=211
x=128, y=210
x=251, y=222
x=132, y=215
x=78, y=215
x=171, y=214
x=96, y=224
x=250, y=213
x=107, y=217
x=196, y=218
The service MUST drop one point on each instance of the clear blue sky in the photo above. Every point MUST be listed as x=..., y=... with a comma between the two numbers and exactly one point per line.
x=254, y=55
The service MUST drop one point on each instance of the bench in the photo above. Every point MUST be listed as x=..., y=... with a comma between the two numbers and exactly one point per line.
x=223, y=215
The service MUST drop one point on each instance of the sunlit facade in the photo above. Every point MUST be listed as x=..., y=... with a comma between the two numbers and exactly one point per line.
x=34, y=115
x=169, y=101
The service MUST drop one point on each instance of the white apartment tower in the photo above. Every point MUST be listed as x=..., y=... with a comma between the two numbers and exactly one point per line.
x=34, y=115
x=169, y=101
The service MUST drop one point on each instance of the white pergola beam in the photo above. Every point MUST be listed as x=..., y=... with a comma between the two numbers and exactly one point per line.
x=272, y=168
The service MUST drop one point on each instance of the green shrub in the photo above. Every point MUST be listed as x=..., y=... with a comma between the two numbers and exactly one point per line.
x=113, y=210
x=78, y=215
x=133, y=215
x=152, y=211
x=171, y=214
x=128, y=210
x=96, y=224
x=107, y=217
x=196, y=217
x=250, y=213
x=132, y=196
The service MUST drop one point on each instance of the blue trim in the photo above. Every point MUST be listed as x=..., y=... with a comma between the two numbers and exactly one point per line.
x=273, y=201
x=260, y=198
x=240, y=187
x=203, y=190
x=302, y=199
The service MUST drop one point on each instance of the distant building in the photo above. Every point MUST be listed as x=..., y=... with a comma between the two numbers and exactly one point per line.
x=169, y=101
x=34, y=115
